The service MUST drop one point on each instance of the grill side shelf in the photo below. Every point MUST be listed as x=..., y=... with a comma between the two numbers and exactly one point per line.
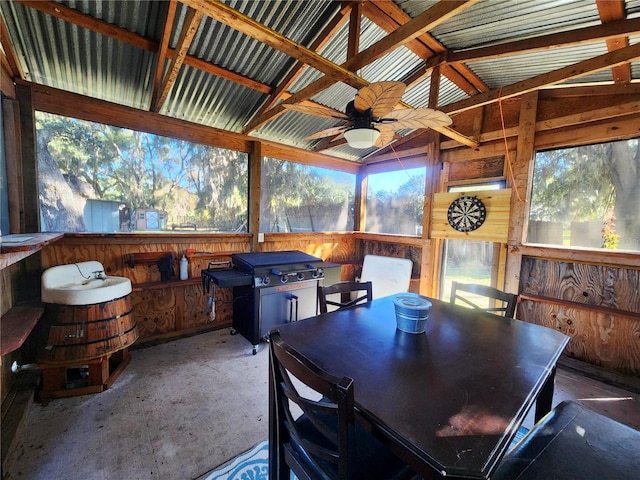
x=225, y=277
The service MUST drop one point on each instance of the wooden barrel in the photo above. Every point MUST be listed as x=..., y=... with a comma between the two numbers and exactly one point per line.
x=84, y=332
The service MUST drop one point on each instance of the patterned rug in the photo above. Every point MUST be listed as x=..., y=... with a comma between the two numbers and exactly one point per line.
x=254, y=464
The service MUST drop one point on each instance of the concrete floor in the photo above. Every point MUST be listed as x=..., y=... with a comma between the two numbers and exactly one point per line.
x=178, y=410
x=182, y=408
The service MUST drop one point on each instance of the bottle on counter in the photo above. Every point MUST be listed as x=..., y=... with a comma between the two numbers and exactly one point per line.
x=184, y=268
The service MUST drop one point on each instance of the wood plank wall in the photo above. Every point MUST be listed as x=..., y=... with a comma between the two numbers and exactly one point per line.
x=170, y=309
x=598, y=306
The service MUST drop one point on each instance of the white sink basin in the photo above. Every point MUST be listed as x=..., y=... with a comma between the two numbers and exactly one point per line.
x=82, y=283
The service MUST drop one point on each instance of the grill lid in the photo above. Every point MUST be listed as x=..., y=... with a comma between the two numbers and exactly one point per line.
x=257, y=261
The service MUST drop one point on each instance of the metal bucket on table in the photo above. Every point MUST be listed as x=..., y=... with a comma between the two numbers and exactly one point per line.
x=412, y=312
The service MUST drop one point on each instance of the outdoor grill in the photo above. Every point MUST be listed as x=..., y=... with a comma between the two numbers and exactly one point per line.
x=269, y=289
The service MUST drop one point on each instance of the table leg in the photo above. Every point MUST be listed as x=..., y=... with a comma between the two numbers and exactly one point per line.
x=544, y=401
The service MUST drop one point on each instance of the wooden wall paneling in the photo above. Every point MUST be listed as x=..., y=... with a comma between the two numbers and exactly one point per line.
x=477, y=169
x=593, y=132
x=154, y=311
x=520, y=180
x=159, y=310
x=595, y=285
x=610, y=340
x=614, y=258
x=7, y=287
x=598, y=306
x=331, y=247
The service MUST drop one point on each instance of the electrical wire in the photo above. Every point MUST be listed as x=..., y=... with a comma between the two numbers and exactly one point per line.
x=506, y=149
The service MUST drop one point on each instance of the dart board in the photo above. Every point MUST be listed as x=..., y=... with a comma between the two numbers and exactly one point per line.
x=466, y=214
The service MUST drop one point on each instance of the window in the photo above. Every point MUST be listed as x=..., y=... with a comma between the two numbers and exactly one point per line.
x=587, y=196
x=98, y=178
x=395, y=201
x=302, y=198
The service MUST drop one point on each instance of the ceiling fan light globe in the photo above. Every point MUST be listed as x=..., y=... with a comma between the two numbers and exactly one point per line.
x=362, y=137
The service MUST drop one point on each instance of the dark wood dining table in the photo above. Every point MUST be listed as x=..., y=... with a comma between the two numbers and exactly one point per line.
x=448, y=401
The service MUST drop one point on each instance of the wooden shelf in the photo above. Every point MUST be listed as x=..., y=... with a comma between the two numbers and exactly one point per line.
x=14, y=248
x=16, y=325
x=139, y=287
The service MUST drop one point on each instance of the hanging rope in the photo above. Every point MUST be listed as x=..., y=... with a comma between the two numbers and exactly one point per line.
x=506, y=148
x=424, y=198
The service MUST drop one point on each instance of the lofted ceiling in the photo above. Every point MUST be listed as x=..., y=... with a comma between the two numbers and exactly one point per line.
x=231, y=65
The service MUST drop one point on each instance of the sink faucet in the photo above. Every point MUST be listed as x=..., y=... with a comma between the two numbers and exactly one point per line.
x=100, y=275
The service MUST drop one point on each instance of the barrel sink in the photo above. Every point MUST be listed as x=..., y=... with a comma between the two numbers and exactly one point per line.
x=90, y=315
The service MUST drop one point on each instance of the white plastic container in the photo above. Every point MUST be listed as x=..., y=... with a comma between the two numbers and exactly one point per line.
x=184, y=268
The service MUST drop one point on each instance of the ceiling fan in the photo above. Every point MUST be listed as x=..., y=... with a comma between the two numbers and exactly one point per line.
x=370, y=118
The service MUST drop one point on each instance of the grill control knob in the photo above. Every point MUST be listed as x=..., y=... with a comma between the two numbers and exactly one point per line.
x=317, y=273
x=300, y=276
x=284, y=279
x=266, y=280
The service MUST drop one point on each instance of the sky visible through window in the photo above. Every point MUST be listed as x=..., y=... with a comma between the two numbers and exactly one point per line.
x=391, y=181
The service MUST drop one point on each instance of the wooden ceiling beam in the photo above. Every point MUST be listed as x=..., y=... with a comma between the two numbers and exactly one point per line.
x=437, y=14
x=280, y=91
x=221, y=72
x=389, y=16
x=422, y=23
x=254, y=29
x=355, y=23
x=375, y=12
x=610, y=11
x=82, y=20
x=585, y=67
x=9, y=52
x=547, y=42
x=189, y=29
x=162, y=53
x=60, y=102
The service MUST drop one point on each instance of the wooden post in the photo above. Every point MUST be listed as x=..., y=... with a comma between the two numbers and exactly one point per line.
x=428, y=257
x=255, y=169
x=360, y=200
x=29, y=160
x=11, y=120
x=522, y=174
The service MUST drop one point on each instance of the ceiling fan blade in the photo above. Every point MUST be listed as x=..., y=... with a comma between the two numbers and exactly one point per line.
x=387, y=134
x=417, y=118
x=317, y=110
x=380, y=97
x=329, y=132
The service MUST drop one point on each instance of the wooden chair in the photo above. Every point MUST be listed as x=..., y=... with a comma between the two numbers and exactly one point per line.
x=507, y=301
x=344, y=289
x=574, y=443
x=324, y=442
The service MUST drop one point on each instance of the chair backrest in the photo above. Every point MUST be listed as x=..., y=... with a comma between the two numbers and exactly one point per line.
x=343, y=294
x=389, y=275
x=318, y=441
x=501, y=303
